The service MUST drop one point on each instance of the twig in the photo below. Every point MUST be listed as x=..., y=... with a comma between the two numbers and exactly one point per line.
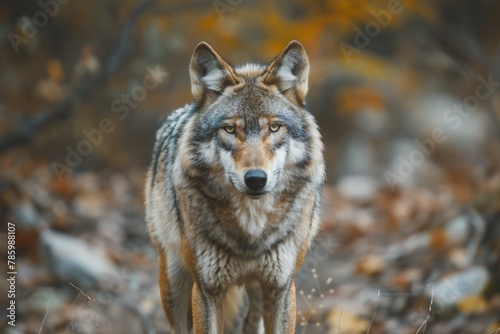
x=117, y=58
x=81, y=291
x=29, y=127
x=424, y=324
x=89, y=300
x=374, y=313
x=45, y=317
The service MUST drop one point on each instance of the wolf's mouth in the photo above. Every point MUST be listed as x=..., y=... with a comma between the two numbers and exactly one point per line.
x=255, y=194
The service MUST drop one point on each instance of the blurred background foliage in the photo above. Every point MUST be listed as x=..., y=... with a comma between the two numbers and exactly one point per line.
x=384, y=75
x=428, y=51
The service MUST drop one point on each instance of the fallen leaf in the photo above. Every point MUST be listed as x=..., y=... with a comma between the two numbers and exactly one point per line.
x=55, y=70
x=472, y=304
x=371, y=265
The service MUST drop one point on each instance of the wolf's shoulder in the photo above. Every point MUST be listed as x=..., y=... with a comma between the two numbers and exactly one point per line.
x=171, y=121
x=174, y=116
x=169, y=132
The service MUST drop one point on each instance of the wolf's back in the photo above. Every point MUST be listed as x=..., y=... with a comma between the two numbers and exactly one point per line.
x=162, y=211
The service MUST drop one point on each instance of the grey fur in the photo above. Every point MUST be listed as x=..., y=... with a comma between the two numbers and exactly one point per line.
x=212, y=229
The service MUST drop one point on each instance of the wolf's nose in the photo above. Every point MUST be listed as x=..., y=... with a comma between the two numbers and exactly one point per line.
x=255, y=179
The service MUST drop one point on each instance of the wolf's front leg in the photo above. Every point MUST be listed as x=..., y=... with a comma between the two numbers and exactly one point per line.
x=207, y=312
x=175, y=288
x=280, y=319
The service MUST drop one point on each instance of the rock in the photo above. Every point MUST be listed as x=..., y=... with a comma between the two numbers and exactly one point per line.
x=358, y=187
x=74, y=260
x=457, y=229
x=26, y=215
x=452, y=289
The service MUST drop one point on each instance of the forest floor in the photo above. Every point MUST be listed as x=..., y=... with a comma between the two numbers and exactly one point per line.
x=406, y=261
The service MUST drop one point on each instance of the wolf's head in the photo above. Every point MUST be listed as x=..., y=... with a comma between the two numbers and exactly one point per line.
x=251, y=121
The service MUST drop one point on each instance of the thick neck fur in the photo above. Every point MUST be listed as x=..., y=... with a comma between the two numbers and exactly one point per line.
x=252, y=214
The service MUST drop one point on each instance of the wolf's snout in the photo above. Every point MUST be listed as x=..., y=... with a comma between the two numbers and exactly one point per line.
x=255, y=179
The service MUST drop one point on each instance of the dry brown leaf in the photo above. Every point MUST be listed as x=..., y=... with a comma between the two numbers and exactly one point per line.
x=472, y=304
x=371, y=265
x=439, y=240
x=55, y=70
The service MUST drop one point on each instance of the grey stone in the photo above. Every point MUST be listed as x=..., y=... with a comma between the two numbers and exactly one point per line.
x=74, y=260
x=451, y=289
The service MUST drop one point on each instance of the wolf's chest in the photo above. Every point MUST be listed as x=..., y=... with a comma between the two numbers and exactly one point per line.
x=252, y=217
x=218, y=267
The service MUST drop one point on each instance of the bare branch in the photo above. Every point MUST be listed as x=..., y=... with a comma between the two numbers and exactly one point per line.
x=460, y=38
x=45, y=317
x=89, y=300
x=374, y=313
x=424, y=324
x=28, y=128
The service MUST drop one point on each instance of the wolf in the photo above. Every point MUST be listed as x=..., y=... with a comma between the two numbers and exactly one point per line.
x=233, y=195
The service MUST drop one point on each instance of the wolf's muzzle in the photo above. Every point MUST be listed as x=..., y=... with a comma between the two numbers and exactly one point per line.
x=255, y=179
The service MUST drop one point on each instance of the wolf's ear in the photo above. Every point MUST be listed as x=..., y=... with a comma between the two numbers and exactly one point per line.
x=210, y=74
x=289, y=71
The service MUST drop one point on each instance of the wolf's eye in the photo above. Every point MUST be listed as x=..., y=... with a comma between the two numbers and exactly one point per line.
x=274, y=127
x=230, y=129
